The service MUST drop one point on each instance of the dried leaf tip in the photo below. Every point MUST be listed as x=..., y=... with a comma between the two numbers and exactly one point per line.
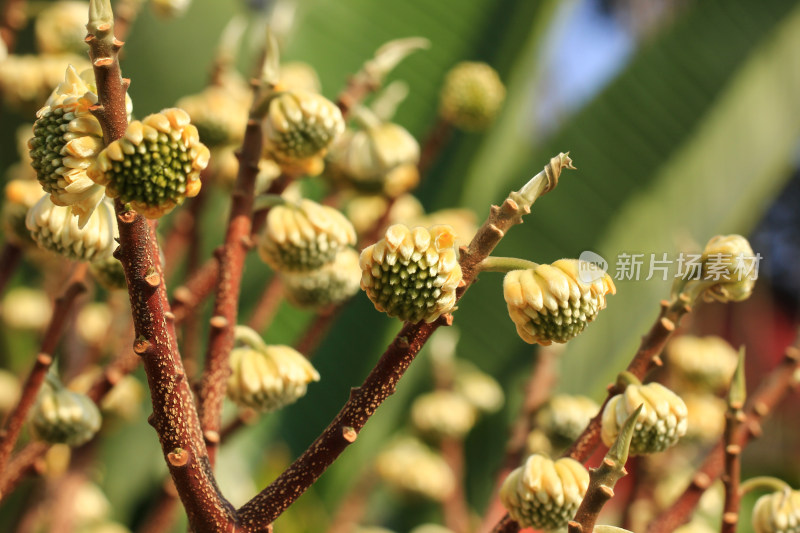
x=545, y=181
x=101, y=17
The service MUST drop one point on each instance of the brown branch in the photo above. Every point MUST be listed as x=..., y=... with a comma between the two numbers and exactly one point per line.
x=125, y=14
x=161, y=517
x=174, y=416
x=9, y=261
x=260, y=511
x=434, y=143
x=231, y=257
x=769, y=394
x=506, y=525
x=30, y=390
x=354, y=506
x=455, y=508
x=189, y=296
x=19, y=466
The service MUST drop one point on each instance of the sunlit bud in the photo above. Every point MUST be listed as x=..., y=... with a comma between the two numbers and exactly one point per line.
x=471, y=96
x=381, y=157
x=155, y=165
x=299, y=76
x=409, y=466
x=94, y=322
x=480, y=389
x=553, y=303
x=266, y=378
x=463, y=221
x=412, y=274
x=61, y=27
x=331, y=284
x=26, y=81
x=706, y=416
x=543, y=493
x=661, y=423
x=702, y=362
x=732, y=258
x=63, y=416
x=778, y=512
x=21, y=195
x=304, y=236
x=169, y=9
x=566, y=416
x=26, y=309
x=9, y=392
x=55, y=228
x=364, y=211
x=298, y=129
x=66, y=140
x=219, y=114
x=538, y=442
x=443, y=413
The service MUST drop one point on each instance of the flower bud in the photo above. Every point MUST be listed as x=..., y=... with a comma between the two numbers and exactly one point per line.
x=705, y=418
x=431, y=528
x=21, y=195
x=553, y=303
x=778, y=512
x=109, y=273
x=63, y=416
x=55, y=228
x=66, y=140
x=545, y=494
x=219, y=113
x=383, y=157
x=463, y=221
x=661, y=423
x=730, y=261
x=412, y=274
x=298, y=129
x=169, y=9
x=411, y=467
x=331, y=284
x=299, y=76
x=155, y=165
x=480, y=389
x=266, y=378
x=10, y=390
x=304, y=236
x=443, y=413
x=471, y=96
x=702, y=362
x=566, y=416
x=365, y=211
x=25, y=81
x=24, y=308
x=61, y=27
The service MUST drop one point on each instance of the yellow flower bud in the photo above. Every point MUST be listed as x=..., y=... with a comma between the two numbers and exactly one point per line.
x=545, y=494
x=706, y=416
x=266, y=378
x=364, y=211
x=331, y=284
x=66, y=140
x=471, y=96
x=10, y=390
x=553, y=303
x=21, y=195
x=55, y=228
x=702, y=362
x=169, y=9
x=409, y=466
x=566, y=416
x=443, y=414
x=299, y=76
x=25, y=81
x=304, y=236
x=383, y=157
x=26, y=309
x=219, y=113
x=63, y=416
x=61, y=27
x=778, y=512
x=730, y=260
x=412, y=274
x=661, y=423
x=155, y=165
x=481, y=390
x=298, y=129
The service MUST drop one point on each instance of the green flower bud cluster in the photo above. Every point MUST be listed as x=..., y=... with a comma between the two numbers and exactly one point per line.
x=553, y=303
x=266, y=378
x=471, y=96
x=331, y=284
x=545, y=494
x=412, y=274
x=661, y=423
x=155, y=165
x=411, y=467
x=62, y=416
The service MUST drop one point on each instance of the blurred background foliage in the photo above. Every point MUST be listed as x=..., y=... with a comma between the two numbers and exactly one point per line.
x=682, y=117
